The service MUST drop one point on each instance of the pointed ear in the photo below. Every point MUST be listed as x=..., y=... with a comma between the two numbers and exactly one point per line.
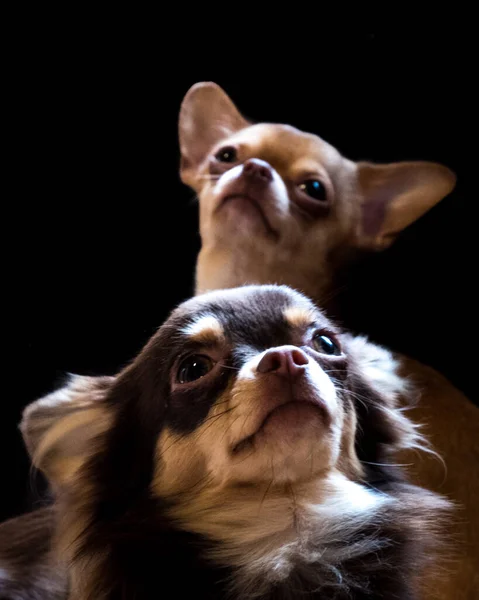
x=380, y=368
x=59, y=430
x=383, y=394
x=396, y=195
x=207, y=116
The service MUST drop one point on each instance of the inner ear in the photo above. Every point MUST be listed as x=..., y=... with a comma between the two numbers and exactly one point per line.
x=207, y=116
x=59, y=429
x=395, y=195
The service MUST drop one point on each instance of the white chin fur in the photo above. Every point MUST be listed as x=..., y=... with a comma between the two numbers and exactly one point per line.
x=276, y=194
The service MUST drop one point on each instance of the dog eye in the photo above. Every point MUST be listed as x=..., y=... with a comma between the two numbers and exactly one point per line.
x=193, y=368
x=324, y=344
x=227, y=155
x=314, y=189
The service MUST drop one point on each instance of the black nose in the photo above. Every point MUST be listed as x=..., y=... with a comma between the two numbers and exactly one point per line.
x=258, y=170
x=286, y=361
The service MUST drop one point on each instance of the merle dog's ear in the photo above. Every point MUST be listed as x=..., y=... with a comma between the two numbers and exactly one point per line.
x=111, y=420
x=378, y=367
x=59, y=429
x=381, y=396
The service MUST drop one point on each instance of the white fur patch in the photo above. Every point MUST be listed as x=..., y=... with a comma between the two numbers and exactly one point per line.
x=76, y=384
x=205, y=326
x=347, y=497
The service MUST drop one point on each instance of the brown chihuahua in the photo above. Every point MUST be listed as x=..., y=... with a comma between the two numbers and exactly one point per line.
x=278, y=205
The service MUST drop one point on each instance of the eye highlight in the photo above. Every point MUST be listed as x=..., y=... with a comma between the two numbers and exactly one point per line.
x=193, y=368
x=314, y=189
x=227, y=154
x=325, y=344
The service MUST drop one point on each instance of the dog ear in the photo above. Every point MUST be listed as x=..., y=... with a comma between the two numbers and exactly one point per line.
x=382, y=395
x=59, y=429
x=395, y=195
x=207, y=115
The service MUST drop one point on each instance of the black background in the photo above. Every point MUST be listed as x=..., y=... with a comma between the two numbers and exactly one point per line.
x=102, y=236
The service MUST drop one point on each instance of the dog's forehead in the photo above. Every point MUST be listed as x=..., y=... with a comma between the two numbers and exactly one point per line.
x=247, y=314
x=285, y=144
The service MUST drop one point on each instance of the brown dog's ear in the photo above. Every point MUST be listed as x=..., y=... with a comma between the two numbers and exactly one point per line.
x=396, y=195
x=59, y=429
x=207, y=115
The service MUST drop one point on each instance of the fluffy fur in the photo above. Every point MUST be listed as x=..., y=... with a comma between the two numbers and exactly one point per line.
x=28, y=567
x=250, y=481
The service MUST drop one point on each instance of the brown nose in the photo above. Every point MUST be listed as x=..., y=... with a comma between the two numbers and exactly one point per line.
x=258, y=170
x=286, y=361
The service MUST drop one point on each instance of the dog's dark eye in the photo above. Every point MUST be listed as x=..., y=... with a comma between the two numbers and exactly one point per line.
x=314, y=189
x=324, y=344
x=193, y=368
x=227, y=155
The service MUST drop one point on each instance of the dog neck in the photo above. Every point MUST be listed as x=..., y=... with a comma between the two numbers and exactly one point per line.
x=221, y=267
x=268, y=533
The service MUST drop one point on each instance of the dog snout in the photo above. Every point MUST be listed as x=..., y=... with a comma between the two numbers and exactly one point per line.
x=258, y=170
x=285, y=361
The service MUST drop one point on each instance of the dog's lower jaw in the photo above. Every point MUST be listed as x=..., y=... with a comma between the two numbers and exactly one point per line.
x=248, y=214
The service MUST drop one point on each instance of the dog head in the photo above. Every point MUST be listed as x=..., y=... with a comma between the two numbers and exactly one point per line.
x=286, y=197
x=249, y=421
x=242, y=386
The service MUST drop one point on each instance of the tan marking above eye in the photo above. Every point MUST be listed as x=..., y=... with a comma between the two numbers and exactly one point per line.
x=299, y=316
x=206, y=329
